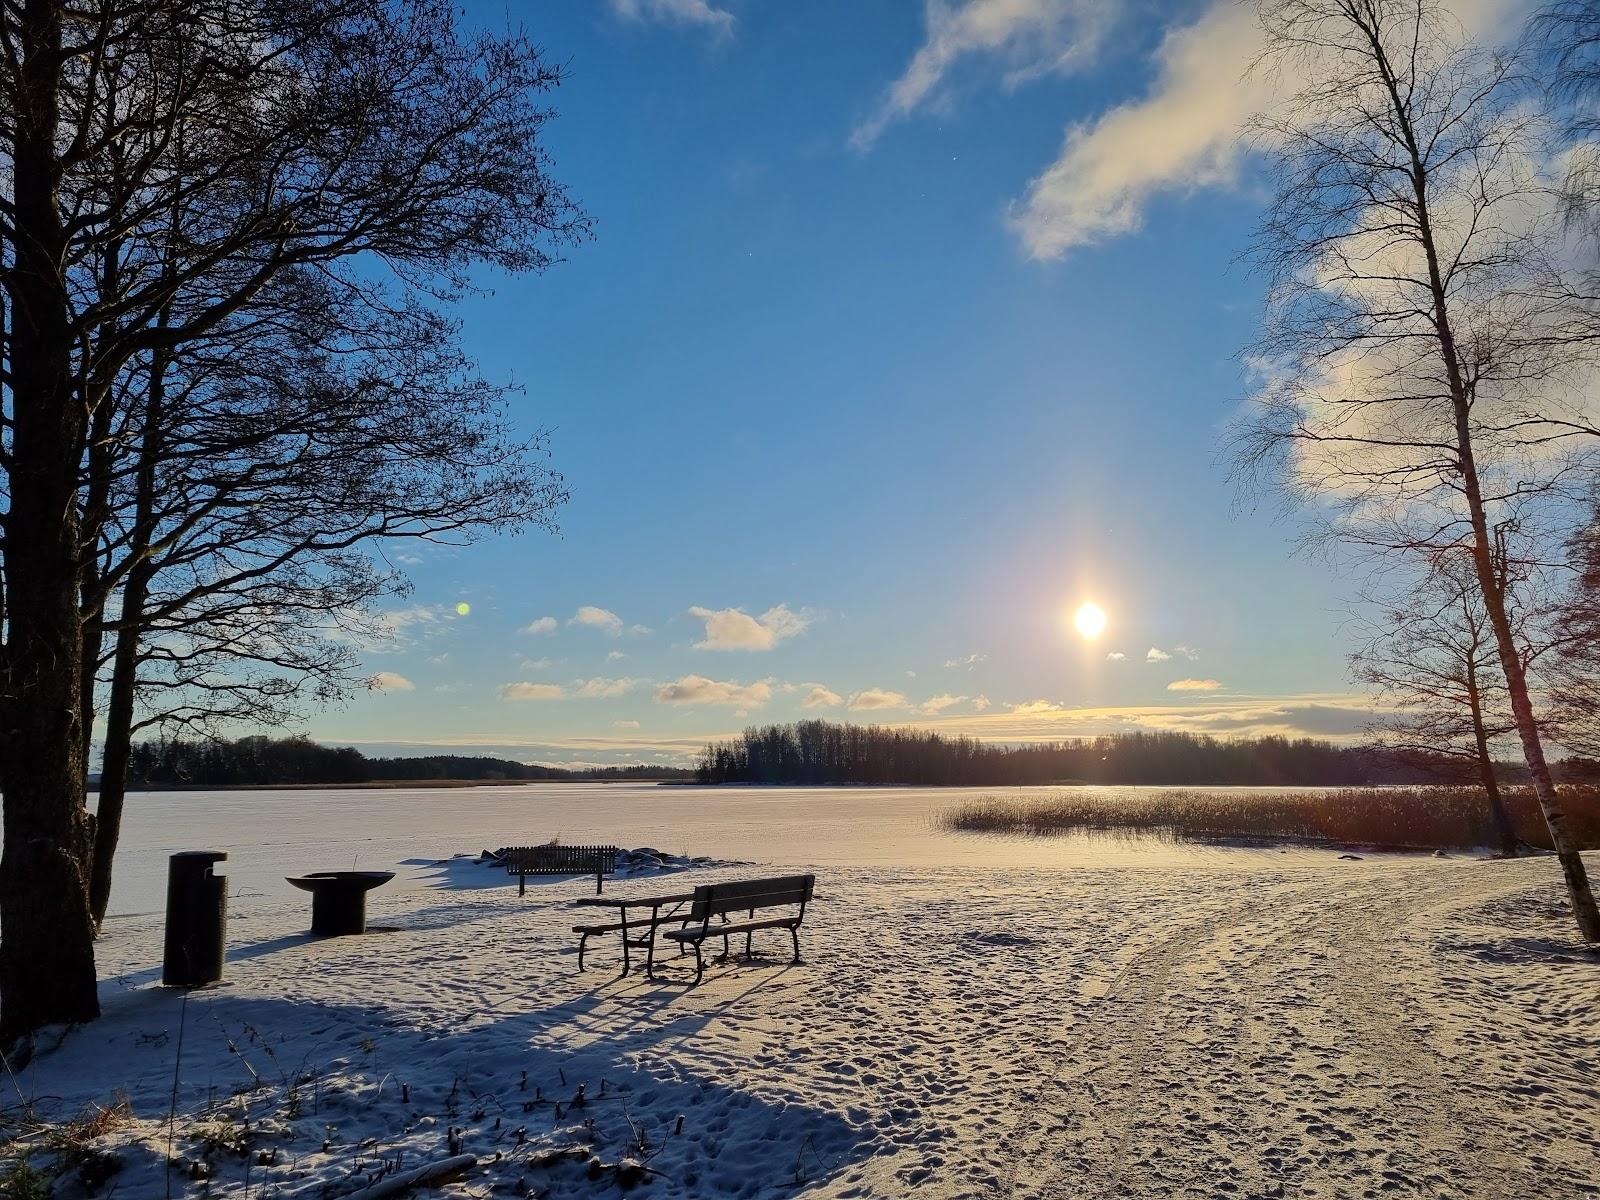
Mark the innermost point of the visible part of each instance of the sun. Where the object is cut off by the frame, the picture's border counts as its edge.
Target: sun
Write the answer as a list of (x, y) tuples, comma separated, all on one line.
[(1090, 620)]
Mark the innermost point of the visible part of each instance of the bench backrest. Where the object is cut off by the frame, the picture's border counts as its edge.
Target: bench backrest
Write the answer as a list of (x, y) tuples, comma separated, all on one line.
[(560, 860), (743, 895)]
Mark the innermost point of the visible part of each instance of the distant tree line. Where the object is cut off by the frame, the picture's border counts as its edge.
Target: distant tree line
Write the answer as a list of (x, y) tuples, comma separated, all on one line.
[(819, 752), (268, 762)]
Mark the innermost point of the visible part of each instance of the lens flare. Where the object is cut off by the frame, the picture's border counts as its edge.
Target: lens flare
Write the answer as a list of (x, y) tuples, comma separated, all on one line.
[(1090, 620), (463, 608)]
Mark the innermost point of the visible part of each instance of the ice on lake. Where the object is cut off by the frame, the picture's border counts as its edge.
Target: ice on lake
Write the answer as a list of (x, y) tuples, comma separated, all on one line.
[(269, 834)]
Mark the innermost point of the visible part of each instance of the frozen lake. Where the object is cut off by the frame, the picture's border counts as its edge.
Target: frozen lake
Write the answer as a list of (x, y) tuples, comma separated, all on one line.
[(269, 834)]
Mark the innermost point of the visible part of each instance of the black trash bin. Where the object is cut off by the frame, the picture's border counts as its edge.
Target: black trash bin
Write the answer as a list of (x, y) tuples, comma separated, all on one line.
[(197, 919)]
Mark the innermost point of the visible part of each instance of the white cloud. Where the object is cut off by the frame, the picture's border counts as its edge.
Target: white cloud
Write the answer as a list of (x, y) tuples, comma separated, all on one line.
[(606, 688), (1343, 717), (1184, 133), (541, 625), (388, 681), (591, 616), (968, 662), (1029, 38), (677, 12), (537, 664), (735, 629), (1035, 708), (615, 655), (1156, 654), (1193, 685), (1116, 656), (980, 703), (697, 689), (1188, 652), (392, 631), (625, 724), (821, 697), (937, 704), (877, 698), (531, 691)]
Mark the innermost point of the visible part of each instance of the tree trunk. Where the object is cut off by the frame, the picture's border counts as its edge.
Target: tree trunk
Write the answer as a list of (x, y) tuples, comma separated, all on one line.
[(1568, 855), (47, 972), (119, 742), (1584, 910), (125, 660), (1491, 786)]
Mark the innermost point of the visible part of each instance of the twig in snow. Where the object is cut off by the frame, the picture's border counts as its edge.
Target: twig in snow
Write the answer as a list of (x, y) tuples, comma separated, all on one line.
[(172, 1109)]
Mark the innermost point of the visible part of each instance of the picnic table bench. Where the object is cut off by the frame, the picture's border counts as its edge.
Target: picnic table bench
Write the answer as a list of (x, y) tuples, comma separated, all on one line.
[(707, 916), (552, 859), (628, 926)]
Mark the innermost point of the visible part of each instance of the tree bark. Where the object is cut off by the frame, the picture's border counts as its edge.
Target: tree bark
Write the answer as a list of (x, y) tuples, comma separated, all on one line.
[(118, 743), (47, 972), (125, 659), (1491, 786), (1579, 892), (1584, 910)]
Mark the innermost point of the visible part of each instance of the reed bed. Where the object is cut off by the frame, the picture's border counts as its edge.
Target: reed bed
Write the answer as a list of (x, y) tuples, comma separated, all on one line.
[(1400, 818)]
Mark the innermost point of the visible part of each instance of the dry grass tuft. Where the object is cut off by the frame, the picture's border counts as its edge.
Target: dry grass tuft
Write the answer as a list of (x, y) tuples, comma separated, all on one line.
[(1400, 818)]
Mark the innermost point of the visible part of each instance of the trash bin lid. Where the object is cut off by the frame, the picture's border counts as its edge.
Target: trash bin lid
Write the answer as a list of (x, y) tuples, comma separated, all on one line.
[(199, 856)]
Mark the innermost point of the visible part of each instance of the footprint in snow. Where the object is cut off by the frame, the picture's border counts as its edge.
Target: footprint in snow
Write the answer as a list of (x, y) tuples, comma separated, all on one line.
[(1002, 939)]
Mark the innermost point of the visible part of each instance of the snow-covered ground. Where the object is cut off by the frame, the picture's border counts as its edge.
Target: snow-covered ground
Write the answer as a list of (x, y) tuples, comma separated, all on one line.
[(973, 1017)]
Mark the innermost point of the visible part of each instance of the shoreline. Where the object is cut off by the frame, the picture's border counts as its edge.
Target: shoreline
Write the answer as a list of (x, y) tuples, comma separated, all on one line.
[(373, 785)]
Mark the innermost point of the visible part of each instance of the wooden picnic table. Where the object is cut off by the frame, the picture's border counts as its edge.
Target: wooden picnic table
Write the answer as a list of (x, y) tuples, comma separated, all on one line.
[(626, 925)]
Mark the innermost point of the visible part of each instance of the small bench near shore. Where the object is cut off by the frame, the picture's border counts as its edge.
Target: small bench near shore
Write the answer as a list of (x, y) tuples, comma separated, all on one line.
[(553, 859)]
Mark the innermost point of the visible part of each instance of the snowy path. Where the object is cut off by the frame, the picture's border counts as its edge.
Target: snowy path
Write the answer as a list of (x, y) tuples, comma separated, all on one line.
[(1245, 1024), (1302, 1039)]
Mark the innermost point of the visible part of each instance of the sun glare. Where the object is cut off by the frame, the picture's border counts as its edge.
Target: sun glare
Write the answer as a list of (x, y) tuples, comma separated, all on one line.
[(1090, 620)]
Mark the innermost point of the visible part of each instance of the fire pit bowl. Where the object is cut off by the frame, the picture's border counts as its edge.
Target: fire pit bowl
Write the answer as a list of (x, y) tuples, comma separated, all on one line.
[(339, 899)]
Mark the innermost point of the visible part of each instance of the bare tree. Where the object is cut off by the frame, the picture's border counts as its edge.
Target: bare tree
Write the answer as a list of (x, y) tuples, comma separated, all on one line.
[(265, 464), (369, 143), (1418, 380), (1432, 662)]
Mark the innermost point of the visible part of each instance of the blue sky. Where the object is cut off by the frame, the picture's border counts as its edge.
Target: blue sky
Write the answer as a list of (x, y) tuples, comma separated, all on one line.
[(905, 330)]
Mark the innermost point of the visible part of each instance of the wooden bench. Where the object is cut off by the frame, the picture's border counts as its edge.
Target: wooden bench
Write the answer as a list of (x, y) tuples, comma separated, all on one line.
[(552, 859), (712, 902)]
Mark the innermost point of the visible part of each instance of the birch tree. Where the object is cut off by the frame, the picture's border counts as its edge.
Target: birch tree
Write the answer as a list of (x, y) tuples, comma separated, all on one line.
[(1433, 666), (1418, 385)]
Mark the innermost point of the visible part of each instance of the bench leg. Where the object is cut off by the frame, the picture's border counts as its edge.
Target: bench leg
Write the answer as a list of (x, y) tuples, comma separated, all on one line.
[(748, 952), (794, 932), (522, 885), (699, 965), (599, 883), (583, 940)]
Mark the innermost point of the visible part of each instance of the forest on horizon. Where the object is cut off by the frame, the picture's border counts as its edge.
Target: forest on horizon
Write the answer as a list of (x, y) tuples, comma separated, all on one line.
[(821, 752)]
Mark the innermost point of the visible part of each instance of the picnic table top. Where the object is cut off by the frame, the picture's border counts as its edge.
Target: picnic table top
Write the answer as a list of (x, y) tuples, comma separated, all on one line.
[(632, 901)]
